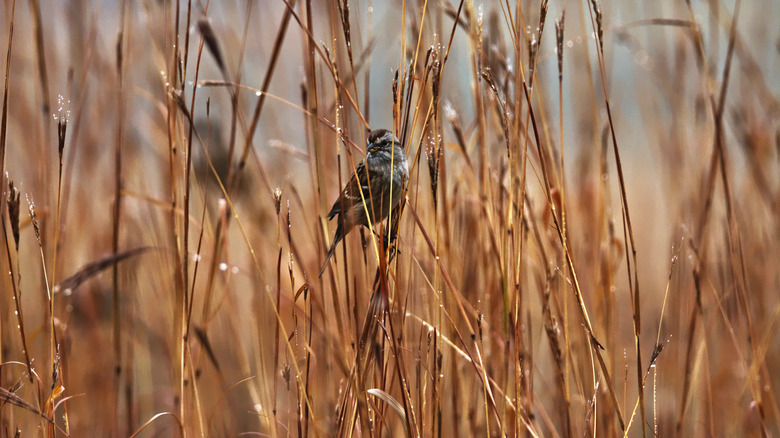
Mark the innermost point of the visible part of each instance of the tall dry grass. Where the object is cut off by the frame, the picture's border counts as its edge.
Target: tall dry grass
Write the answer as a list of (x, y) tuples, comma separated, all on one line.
[(589, 244)]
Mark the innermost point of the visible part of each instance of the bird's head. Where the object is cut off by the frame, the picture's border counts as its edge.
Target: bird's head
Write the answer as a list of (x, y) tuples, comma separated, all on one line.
[(381, 141)]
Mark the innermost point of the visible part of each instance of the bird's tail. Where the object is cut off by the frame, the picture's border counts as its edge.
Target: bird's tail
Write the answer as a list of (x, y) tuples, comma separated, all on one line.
[(332, 249)]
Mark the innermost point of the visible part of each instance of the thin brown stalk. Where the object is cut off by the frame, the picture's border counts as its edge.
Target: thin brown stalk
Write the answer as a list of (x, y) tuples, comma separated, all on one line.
[(629, 245), (116, 214)]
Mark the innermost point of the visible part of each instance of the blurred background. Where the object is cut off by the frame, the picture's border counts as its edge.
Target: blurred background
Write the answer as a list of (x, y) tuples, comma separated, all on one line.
[(589, 243)]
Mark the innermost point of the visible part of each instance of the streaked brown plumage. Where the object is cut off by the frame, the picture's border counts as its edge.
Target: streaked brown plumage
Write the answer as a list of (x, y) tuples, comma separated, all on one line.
[(384, 166)]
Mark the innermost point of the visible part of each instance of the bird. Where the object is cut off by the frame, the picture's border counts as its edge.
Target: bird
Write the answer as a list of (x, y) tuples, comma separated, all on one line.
[(384, 170)]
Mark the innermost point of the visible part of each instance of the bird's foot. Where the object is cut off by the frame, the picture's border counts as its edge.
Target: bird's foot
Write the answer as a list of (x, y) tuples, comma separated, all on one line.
[(389, 244)]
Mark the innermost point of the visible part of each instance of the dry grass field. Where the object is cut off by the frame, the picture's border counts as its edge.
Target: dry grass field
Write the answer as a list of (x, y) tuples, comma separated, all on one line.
[(589, 242)]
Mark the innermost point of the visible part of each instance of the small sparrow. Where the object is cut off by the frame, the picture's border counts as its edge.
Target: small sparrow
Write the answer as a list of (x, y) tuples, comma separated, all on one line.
[(384, 166)]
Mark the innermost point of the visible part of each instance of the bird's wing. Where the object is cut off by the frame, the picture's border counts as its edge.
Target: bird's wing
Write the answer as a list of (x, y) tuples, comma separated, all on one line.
[(351, 193)]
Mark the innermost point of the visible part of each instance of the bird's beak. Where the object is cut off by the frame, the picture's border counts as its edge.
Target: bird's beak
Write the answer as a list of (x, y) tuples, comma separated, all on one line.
[(371, 148)]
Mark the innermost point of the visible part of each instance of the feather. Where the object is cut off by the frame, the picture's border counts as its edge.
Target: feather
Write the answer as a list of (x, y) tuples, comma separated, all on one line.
[(384, 167)]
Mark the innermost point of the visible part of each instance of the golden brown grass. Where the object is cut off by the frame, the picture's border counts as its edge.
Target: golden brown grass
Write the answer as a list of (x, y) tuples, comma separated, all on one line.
[(589, 244)]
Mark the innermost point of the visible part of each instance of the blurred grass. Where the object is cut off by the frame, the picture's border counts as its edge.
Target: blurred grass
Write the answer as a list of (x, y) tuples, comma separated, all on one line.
[(592, 256)]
